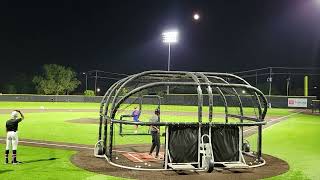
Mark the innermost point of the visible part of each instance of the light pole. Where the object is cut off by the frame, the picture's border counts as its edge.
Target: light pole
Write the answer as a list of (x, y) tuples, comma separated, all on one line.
[(95, 83), (170, 37), (288, 84), (269, 79), (86, 79)]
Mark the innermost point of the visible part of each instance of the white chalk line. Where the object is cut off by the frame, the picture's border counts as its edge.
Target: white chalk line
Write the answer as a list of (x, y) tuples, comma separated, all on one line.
[(277, 119), (135, 157), (52, 144)]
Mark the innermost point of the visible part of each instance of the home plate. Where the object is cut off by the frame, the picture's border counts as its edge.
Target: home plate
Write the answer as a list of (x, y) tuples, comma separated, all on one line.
[(142, 157)]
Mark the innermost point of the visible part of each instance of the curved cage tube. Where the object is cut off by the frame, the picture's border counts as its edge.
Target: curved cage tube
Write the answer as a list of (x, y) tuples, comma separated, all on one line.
[(227, 107)]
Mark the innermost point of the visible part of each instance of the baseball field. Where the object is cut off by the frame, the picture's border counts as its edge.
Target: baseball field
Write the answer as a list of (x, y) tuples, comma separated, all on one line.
[(52, 133)]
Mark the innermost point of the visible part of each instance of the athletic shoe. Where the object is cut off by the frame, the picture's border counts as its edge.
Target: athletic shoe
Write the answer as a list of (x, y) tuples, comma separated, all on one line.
[(17, 162), (157, 157)]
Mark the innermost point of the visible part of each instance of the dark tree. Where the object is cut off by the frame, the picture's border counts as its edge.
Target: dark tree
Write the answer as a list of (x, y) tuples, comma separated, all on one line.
[(56, 79)]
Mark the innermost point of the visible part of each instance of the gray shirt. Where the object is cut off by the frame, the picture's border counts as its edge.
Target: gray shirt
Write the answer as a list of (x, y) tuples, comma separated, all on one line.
[(154, 118)]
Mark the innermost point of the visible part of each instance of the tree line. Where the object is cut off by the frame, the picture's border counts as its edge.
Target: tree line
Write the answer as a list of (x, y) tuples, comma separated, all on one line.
[(53, 80)]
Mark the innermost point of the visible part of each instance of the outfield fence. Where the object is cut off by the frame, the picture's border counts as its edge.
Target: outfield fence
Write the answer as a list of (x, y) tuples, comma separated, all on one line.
[(171, 99)]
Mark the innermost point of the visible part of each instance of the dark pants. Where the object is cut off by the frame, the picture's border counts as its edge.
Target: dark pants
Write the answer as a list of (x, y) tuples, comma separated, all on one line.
[(155, 142)]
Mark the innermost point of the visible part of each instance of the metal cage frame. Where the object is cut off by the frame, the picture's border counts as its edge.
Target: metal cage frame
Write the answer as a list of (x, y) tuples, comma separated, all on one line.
[(201, 81)]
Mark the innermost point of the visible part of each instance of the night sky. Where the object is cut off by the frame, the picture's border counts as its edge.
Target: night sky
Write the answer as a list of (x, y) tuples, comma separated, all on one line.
[(125, 36)]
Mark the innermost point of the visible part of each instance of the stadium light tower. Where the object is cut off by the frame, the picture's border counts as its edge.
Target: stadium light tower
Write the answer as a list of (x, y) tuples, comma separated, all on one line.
[(170, 37)]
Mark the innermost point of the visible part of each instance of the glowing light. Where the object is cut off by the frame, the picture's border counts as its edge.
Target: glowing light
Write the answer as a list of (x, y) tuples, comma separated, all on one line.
[(243, 91), (170, 36), (196, 16), (98, 89)]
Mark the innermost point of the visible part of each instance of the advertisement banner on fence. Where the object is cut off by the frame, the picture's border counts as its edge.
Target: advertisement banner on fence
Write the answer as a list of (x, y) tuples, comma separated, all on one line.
[(297, 102)]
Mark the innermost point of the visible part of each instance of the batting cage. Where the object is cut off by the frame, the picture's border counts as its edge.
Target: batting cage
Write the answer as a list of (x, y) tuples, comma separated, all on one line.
[(149, 121)]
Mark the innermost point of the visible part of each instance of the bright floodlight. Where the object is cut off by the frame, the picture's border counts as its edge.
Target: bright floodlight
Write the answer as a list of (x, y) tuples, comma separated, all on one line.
[(196, 16), (170, 36), (98, 89)]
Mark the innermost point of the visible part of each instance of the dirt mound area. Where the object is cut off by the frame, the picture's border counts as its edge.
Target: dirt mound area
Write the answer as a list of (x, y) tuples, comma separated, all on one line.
[(86, 160)]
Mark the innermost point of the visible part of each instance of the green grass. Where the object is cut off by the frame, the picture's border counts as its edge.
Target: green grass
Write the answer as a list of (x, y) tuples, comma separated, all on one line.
[(48, 105), (37, 165), (53, 127), (294, 140), (176, 108)]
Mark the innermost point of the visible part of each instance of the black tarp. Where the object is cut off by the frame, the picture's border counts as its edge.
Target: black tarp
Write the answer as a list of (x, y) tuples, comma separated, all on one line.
[(183, 143), (225, 143)]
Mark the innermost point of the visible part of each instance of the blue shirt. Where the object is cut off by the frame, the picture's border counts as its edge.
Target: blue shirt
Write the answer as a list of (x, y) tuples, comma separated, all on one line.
[(136, 114)]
